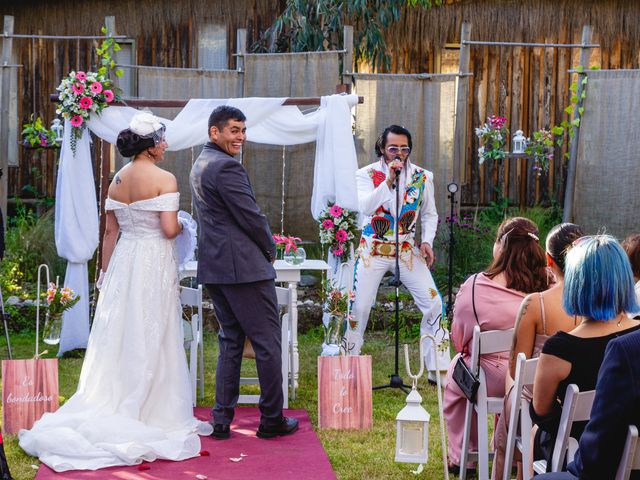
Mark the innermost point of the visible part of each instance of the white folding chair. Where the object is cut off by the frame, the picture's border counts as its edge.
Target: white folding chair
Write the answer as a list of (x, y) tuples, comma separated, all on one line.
[(576, 408), (284, 300), (192, 297), (483, 343), (630, 459), (525, 373)]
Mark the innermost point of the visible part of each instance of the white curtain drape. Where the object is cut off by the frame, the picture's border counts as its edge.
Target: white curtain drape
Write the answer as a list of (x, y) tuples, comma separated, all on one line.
[(268, 121)]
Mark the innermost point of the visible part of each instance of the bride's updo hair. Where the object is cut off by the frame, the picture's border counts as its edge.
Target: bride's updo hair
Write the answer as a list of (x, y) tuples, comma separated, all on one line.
[(145, 131)]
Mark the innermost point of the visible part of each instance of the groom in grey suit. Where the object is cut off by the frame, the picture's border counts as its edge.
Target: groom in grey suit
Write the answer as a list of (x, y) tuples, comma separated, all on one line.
[(235, 256)]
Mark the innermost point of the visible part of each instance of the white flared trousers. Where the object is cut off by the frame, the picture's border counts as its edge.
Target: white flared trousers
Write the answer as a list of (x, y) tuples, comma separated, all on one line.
[(419, 282)]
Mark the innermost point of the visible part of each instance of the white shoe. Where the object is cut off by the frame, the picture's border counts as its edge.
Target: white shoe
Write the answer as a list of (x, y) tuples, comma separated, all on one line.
[(431, 377)]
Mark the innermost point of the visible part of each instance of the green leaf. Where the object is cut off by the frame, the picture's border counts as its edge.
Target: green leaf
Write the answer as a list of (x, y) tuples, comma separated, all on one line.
[(574, 99), (583, 95), (557, 130), (104, 30), (119, 73), (580, 110), (585, 80), (569, 110), (116, 48), (580, 69), (573, 87), (595, 67), (576, 122), (102, 71)]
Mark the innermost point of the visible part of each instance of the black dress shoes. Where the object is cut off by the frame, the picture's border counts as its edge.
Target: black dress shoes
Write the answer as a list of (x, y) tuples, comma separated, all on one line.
[(221, 432), (286, 427)]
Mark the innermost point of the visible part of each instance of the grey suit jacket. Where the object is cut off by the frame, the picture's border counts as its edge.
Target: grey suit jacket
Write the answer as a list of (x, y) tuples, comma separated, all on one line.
[(235, 243)]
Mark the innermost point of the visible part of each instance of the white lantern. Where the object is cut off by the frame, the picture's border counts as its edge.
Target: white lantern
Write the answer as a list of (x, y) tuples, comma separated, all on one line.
[(412, 435), (57, 128), (519, 142)]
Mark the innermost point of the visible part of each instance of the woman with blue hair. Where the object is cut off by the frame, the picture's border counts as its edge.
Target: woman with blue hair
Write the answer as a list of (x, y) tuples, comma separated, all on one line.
[(598, 288)]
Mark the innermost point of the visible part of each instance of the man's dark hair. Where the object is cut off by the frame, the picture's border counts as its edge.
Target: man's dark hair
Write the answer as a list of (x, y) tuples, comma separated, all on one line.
[(222, 114), (381, 143)]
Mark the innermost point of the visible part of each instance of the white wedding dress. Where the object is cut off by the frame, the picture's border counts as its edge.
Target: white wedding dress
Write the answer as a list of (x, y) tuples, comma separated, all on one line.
[(133, 401)]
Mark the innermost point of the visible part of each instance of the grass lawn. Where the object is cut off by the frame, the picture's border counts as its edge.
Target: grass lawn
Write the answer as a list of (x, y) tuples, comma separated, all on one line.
[(353, 454)]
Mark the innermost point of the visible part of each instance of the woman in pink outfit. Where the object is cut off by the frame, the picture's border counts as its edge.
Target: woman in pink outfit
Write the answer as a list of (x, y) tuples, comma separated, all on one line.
[(518, 268)]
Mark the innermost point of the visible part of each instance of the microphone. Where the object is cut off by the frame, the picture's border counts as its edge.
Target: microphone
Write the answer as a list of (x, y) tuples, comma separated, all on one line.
[(397, 170)]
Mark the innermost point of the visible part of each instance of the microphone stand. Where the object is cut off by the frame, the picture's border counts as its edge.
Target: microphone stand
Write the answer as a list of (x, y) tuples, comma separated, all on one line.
[(452, 242), (395, 379)]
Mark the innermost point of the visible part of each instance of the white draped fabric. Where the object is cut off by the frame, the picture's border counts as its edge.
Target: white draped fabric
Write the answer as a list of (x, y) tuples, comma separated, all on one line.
[(268, 121)]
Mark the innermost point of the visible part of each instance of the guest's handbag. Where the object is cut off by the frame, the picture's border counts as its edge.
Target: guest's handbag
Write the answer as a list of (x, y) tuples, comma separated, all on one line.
[(464, 377)]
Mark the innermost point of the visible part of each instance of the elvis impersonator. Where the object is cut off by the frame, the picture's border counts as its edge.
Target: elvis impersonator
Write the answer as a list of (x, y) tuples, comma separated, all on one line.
[(377, 250)]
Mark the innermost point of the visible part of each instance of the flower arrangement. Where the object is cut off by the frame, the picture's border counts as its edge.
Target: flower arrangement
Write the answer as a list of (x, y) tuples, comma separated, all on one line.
[(83, 93), (540, 146), (60, 299), (36, 135), (336, 302), (285, 243), (338, 227), (493, 137), (80, 95)]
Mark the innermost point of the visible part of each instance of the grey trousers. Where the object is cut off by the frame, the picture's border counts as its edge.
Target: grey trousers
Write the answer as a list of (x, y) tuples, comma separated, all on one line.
[(248, 310)]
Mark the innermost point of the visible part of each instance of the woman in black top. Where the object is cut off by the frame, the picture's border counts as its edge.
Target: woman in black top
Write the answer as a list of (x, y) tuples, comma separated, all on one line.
[(598, 288)]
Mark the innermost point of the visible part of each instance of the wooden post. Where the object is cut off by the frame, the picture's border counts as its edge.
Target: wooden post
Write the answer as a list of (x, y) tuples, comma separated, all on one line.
[(7, 47), (104, 163), (585, 54), (347, 58), (460, 132), (241, 48)]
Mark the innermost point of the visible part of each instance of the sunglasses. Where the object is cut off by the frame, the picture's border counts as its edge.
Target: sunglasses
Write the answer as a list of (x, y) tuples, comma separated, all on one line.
[(396, 150)]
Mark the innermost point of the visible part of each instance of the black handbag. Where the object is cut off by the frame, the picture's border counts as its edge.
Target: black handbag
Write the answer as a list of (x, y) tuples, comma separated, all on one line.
[(466, 380)]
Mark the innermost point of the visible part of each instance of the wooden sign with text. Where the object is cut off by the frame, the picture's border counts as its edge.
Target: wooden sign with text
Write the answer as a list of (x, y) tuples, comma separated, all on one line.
[(29, 389), (344, 392)]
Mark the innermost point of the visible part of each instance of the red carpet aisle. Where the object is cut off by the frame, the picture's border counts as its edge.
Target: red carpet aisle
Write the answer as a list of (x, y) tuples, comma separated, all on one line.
[(299, 456)]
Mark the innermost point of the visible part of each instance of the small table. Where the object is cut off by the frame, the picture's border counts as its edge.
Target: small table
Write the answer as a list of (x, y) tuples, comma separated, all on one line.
[(284, 273)]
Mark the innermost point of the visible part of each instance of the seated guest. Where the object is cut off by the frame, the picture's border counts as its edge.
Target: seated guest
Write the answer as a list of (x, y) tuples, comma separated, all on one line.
[(540, 315), (518, 268), (599, 288), (631, 245), (615, 407)]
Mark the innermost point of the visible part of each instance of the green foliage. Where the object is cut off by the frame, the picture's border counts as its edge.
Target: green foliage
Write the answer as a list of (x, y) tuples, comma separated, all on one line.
[(105, 52), (29, 242), (36, 135), (540, 146), (307, 25)]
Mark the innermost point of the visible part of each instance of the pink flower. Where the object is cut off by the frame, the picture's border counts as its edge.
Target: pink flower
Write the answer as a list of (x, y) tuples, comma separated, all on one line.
[(96, 87), (77, 88), (290, 243), (327, 224), (341, 235), (81, 76), (335, 211), (76, 121), (86, 102), (339, 250), (278, 238), (108, 95)]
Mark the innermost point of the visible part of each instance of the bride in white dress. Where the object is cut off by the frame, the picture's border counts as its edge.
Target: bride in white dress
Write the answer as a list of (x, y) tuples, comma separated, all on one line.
[(133, 401)]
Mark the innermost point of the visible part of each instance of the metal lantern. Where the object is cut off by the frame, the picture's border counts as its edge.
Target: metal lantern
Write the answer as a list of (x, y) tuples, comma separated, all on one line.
[(519, 142), (412, 435), (57, 128), (412, 422)]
